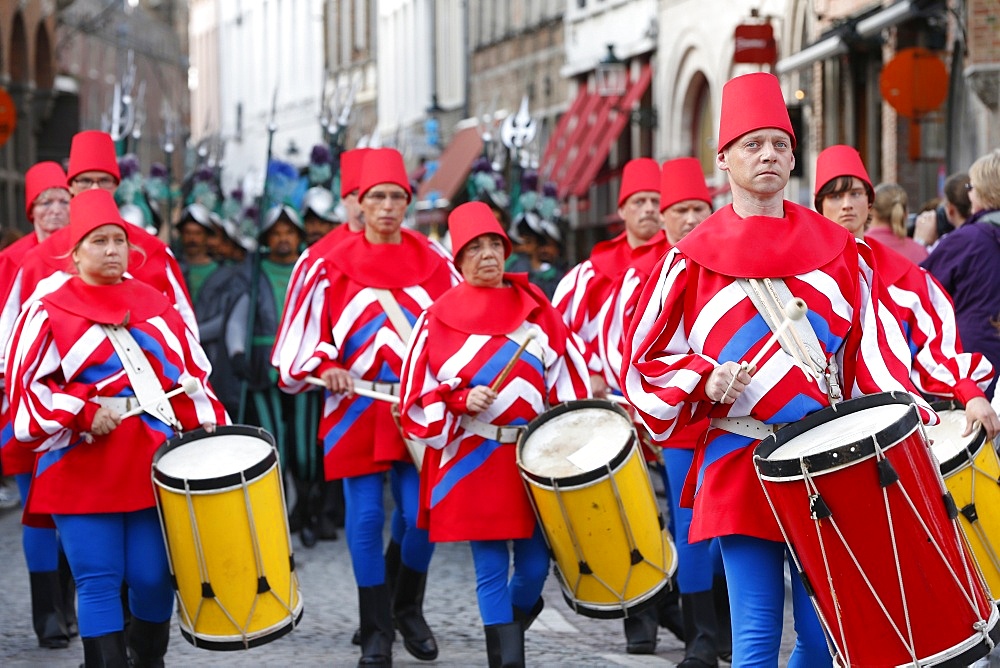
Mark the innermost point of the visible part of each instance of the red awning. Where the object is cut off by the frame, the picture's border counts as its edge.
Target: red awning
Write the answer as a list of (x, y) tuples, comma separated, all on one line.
[(580, 144), (453, 167)]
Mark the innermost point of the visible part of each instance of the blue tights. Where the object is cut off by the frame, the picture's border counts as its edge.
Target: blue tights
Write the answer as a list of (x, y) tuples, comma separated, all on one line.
[(496, 595), (365, 519), (756, 576), (103, 550), (41, 546)]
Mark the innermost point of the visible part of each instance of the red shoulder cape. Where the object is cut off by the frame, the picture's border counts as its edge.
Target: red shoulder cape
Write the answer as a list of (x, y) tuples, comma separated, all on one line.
[(611, 258), (889, 264), (410, 262)]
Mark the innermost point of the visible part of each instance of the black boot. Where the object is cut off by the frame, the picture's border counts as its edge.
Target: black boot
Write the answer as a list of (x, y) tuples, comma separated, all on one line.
[(408, 614), (528, 618), (46, 610), (107, 651), (640, 631), (701, 630), (392, 561), (505, 645), (376, 626), (67, 587), (724, 621), (147, 642), (670, 611)]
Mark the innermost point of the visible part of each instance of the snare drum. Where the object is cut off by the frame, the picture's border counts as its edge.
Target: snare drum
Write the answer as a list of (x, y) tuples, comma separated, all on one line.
[(591, 491), (224, 522), (872, 529), (971, 472)]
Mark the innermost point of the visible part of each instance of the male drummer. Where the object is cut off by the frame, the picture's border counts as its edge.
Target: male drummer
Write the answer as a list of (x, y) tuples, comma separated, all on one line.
[(695, 323)]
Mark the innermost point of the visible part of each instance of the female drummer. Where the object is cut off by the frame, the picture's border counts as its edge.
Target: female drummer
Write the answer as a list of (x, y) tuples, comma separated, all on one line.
[(941, 368), (79, 359), (471, 489)]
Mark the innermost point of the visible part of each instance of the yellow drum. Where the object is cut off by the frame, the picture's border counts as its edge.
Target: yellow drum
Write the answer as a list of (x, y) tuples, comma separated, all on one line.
[(224, 522), (591, 491), (971, 472)]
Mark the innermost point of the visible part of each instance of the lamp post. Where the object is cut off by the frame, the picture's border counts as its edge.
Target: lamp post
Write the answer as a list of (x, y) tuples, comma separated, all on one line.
[(517, 131), (611, 75)]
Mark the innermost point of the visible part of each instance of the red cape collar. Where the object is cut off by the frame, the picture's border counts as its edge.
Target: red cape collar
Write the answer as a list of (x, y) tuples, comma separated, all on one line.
[(489, 311), (763, 246), (889, 265), (611, 258), (410, 262), (127, 302)]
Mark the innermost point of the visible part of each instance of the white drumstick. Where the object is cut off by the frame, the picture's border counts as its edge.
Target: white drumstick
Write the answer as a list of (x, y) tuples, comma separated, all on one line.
[(189, 386), (795, 309), (371, 394)]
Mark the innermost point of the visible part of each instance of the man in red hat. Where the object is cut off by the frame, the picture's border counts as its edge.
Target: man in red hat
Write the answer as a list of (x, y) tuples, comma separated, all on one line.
[(353, 335), (695, 325)]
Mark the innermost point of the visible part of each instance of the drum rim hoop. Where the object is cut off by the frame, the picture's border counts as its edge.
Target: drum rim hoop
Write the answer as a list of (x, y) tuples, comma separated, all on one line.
[(844, 454), (587, 476), (218, 483), (967, 453), (261, 637)]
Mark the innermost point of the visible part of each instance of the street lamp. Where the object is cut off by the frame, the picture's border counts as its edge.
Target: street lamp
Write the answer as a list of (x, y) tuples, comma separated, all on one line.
[(611, 75)]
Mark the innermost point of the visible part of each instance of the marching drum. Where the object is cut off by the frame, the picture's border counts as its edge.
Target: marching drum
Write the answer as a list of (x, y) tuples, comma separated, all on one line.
[(226, 530), (591, 492), (971, 473), (873, 532)]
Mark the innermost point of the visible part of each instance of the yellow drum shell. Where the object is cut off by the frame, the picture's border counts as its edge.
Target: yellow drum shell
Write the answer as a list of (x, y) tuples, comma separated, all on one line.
[(612, 551), (223, 515), (971, 471)]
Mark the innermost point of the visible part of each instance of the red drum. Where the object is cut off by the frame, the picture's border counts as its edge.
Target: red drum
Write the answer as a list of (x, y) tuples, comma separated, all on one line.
[(872, 528)]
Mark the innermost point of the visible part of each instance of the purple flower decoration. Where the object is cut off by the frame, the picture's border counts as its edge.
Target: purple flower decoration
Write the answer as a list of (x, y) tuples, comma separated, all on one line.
[(320, 155), (550, 189), (157, 171), (128, 165), (529, 180), (204, 173)]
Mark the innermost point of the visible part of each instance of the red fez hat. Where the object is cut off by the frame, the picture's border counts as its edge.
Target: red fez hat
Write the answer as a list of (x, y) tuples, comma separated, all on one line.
[(752, 102), (471, 220), (38, 179), (383, 165), (92, 151), (839, 160), (639, 175), (683, 180), (350, 169), (91, 209)]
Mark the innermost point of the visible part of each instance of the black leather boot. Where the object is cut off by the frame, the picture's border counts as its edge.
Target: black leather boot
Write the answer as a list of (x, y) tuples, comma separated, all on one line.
[(640, 631), (701, 630), (67, 587), (505, 645), (374, 607), (528, 618), (670, 611), (392, 561), (46, 610), (408, 614), (147, 642), (107, 651)]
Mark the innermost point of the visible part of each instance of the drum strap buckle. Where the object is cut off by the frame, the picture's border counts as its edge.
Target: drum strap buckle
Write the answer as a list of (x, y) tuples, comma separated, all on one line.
[(377, 386), (493, 432)]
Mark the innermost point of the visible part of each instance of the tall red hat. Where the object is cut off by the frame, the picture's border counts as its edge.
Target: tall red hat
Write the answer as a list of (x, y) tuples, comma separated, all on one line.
[(752, 102), (383, 165), (350, 169), (839, 160), (91, 209), (38, 179), (92, 151), (470, 220), (682, 179), (639, 175)]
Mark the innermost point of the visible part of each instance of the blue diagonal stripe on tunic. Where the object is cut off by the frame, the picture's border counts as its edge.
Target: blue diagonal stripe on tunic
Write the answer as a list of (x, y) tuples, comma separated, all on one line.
[(360, 338), (7, 434), (351, 415), (95, 373), (492, 367), (462, 468), (152, 348), (50, 457), (745, 337)]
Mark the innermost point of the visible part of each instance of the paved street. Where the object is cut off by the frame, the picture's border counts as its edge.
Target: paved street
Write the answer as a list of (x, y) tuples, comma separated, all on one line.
[(558, 638)]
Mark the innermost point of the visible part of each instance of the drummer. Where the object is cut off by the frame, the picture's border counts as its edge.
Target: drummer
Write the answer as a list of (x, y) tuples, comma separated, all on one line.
[(79, 358), (471, 487), (352, 333), (941, 368), (695, 323)]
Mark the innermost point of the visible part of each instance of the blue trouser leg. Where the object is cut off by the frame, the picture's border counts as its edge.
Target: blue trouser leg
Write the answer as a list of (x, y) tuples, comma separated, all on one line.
[(41, 546), (363, 522), (416, 548), (697, 563), (756, 577), (497, 597), (531, 567)]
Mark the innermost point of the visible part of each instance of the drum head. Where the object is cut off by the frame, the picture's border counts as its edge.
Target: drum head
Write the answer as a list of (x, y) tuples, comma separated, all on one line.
[(947, 442), (575, 438), (200, 460)]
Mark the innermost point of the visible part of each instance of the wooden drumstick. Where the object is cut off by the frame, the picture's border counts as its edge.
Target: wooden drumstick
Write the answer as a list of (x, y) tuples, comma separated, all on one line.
[(189, 386), (371, 394), (795, 309), (510, 365)]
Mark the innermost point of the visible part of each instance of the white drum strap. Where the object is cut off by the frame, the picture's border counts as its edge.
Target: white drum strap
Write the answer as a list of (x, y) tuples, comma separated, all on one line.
[(522, 333), (140, 374), (799, 341), (395, 313)]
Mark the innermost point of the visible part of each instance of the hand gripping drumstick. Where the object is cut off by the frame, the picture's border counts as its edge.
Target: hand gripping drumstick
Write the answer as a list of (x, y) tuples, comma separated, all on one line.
[(189, 386), (795, 309), (510, 365), (371, 394)]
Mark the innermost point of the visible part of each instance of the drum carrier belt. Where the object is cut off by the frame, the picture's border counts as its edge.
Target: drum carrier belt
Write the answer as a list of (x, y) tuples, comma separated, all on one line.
[(141, 377), (500, 434)]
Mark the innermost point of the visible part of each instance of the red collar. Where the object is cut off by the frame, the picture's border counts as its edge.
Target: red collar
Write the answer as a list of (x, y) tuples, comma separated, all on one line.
[(611, 258), (410, 262), (130, 301)]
